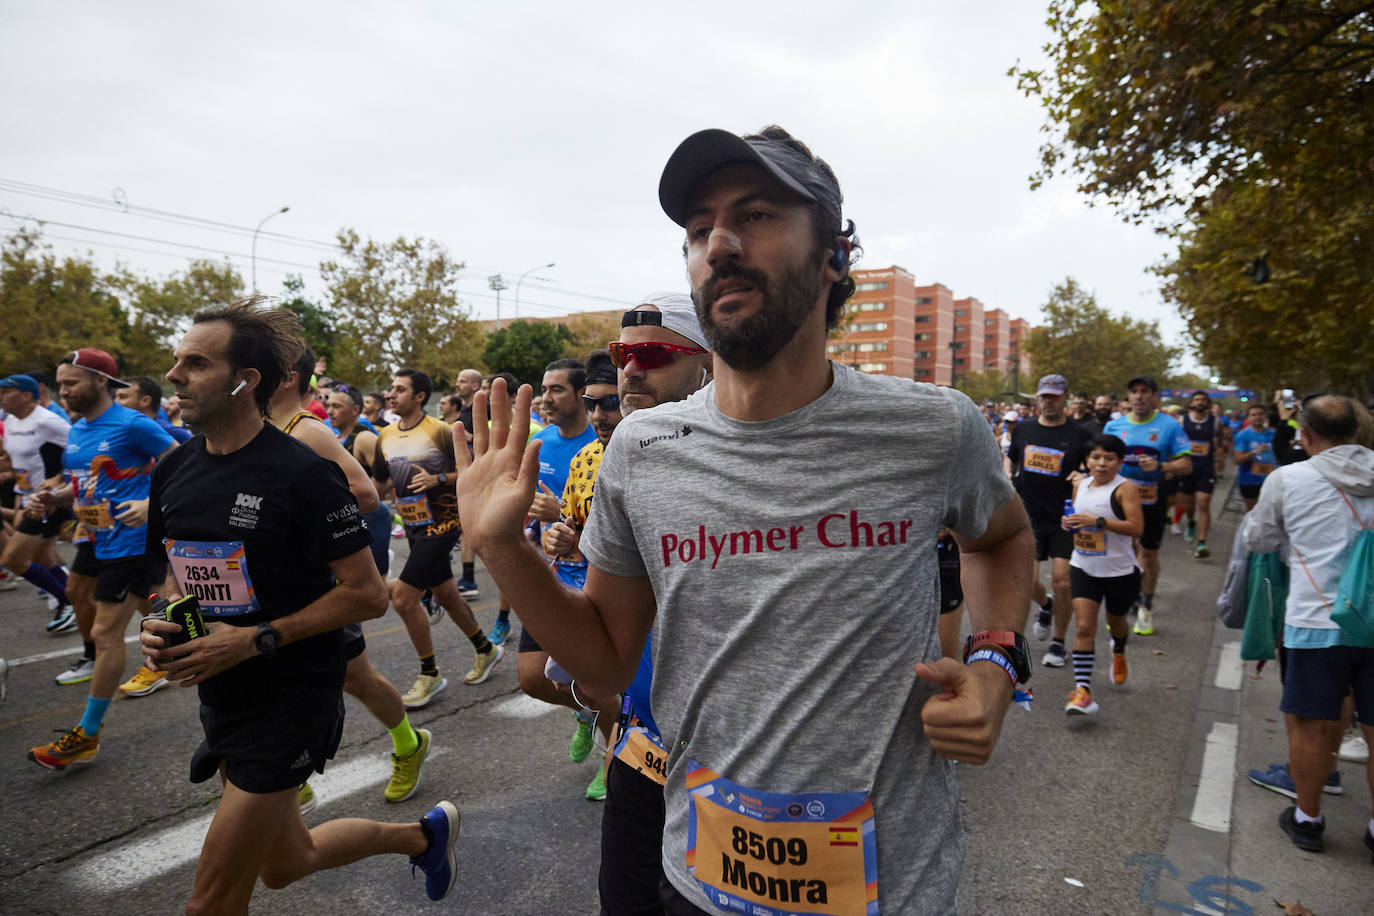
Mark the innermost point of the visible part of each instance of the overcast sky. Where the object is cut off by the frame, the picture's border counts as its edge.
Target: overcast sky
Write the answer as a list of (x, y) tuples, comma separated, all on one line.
[(520, 133)]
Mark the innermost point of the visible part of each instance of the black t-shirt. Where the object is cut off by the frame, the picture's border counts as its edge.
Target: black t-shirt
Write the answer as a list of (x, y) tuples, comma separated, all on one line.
[(1042, 458), (251, 535)]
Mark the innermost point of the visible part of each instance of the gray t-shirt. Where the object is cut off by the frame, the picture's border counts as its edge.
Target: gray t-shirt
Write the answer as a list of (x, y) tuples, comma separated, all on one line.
[(793, 562)]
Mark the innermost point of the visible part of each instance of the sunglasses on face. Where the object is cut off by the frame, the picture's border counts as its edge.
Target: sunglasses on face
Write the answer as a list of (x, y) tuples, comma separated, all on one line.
[(650, 354), (607, 402)]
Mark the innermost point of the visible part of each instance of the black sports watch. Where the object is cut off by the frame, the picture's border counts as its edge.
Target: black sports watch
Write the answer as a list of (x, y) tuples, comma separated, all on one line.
[(1010, 643), (267, 639), (1101, 523)]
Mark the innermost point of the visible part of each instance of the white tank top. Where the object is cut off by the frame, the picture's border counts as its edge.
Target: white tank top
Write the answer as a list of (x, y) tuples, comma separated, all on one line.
[(1100, 553)]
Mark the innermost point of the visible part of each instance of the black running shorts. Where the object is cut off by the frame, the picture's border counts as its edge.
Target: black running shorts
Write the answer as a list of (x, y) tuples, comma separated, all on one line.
[(49, 527), (1250, 490), (527, 643), (631, 843), (1156, 517), (428, 565), (124, 576), (1120, 592), (85, 563), (1051, 540), (354, 643), (1202, 480), (267, 750)]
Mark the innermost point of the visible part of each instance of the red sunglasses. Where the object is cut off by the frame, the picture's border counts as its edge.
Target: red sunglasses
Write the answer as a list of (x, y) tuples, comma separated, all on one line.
[(650, 354)]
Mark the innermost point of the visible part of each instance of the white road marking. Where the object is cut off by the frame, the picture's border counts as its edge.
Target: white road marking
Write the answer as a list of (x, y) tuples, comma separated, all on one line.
[(1212, 804), (521, 706), (157, 853), (58, 653), (1230, 669)]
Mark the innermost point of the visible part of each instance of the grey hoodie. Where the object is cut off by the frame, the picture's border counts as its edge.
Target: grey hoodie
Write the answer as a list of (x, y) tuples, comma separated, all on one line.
[(1302, 513)]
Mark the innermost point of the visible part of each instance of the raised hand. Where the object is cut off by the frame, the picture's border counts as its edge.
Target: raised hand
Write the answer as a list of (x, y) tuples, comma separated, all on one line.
[(497, 484)]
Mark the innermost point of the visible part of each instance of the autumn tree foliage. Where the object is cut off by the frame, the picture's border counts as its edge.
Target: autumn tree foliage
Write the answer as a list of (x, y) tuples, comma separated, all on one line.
[(1246, 131)]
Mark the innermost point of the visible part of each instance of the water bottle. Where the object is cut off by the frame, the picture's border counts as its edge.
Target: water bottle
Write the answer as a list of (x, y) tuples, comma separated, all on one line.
[(1068, 508)]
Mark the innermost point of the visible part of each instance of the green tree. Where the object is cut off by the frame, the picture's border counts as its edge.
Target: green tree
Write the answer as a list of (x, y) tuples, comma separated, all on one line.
[(1308, 326), (586, 334), (988, 385), (397, 305), (1155, 103), (1243, 129), (50, 306), (524, 348), (320, 332), (159, 310), (1095, 350)]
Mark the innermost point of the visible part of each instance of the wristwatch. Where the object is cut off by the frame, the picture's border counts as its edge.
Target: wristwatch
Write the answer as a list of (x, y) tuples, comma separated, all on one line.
[(443, 477), (1101, 522), (1010, 643), (267, 639)]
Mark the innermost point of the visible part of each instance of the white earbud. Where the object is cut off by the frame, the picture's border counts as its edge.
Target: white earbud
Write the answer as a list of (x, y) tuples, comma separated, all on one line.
[(243, 383)]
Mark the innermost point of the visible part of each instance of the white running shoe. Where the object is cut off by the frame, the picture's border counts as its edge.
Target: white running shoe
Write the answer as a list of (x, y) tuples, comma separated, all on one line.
[(1354, 749)]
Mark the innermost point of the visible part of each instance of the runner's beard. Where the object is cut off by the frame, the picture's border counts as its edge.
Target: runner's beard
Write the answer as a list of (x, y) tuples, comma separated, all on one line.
[(749, 342)]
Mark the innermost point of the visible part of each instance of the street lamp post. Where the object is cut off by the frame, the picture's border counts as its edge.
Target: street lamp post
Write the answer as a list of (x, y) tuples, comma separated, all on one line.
[(522, 280), (255, 244), (496, 283)]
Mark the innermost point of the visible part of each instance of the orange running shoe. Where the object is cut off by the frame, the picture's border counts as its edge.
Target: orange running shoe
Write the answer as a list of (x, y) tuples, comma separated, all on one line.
[(1080, 702), (1119, 669), (74, 747)]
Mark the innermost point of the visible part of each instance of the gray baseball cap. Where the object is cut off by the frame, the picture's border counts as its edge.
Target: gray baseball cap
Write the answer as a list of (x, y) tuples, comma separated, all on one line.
[(707, 150)]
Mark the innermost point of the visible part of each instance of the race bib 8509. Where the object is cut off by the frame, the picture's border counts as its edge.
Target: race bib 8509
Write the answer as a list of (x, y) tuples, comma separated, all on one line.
[(773, 854), (216, 573)]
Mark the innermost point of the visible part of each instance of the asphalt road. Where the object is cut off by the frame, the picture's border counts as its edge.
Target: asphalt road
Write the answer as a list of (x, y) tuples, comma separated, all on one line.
[(1071, 815)]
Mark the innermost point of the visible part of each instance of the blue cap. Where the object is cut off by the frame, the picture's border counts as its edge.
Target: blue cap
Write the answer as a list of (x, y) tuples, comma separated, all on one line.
[(22, 382)]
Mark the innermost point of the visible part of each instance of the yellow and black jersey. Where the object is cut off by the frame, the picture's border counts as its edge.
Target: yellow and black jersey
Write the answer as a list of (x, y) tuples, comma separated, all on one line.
[(426, 446), (577, 493)]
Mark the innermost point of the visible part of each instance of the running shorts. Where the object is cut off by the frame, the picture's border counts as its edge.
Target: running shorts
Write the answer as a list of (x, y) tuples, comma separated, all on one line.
[(121, 577), (85, 563), (1156, 517), (1119, 592), (270, 749), (378, 523), (428, 565), (1250, 490), (1318, 680), (354, 643), (1051, 540), (1202, 480), (49, 527)]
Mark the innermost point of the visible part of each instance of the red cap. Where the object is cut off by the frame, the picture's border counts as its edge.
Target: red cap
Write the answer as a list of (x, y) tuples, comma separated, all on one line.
[(97, 361)]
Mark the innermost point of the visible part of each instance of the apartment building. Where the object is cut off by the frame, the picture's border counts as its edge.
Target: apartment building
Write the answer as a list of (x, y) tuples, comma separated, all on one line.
[(895, 327)]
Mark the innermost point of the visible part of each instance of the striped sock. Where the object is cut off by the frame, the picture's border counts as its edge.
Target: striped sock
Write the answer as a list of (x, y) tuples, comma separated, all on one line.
[(1083, 669)]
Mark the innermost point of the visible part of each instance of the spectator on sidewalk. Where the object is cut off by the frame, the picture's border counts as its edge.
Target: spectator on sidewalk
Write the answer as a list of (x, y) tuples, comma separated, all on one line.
[(1313, 511)]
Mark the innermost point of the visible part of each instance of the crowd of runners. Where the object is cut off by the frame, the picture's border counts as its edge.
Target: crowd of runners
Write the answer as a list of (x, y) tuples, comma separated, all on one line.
[(716, 556)]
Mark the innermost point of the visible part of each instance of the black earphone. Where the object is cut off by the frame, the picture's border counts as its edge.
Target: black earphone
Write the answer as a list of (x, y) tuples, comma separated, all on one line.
[(837, 260)]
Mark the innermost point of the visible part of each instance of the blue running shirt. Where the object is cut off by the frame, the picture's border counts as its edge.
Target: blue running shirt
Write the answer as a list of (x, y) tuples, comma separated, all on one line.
[(109, 461), (1159, 437), (1261, 442)]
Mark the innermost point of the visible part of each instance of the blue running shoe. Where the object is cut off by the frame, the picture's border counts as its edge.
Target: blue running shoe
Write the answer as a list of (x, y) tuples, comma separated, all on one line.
[(468, 589), (1276, 779), (499, 631), (438, 862)]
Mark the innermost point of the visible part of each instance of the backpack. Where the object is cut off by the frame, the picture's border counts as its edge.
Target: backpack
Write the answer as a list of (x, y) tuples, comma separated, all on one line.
[(1232, 601), (1353, 611)]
